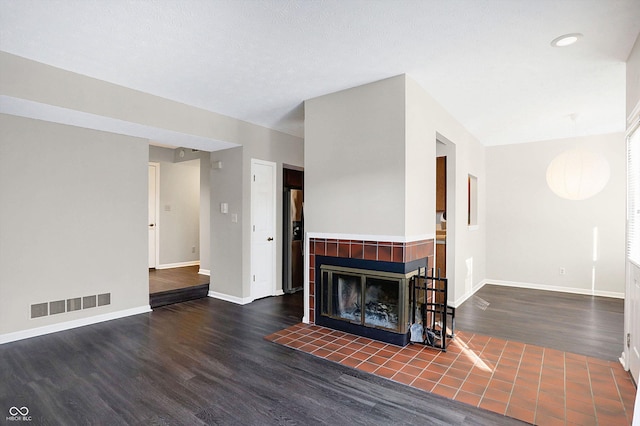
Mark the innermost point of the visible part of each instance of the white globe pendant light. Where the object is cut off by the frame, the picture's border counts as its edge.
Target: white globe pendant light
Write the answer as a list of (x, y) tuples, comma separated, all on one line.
[(578, 174)]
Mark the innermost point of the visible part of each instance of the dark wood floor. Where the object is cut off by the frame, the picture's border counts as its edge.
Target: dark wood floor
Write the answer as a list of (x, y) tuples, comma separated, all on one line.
[(586, 325), (206, 362), (161, 280)]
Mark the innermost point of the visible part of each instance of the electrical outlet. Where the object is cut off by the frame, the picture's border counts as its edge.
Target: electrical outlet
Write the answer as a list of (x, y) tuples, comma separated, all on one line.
[(563, 271), (193, 249)]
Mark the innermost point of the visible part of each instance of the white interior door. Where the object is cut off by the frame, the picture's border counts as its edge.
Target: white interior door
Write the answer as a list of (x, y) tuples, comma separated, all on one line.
[(263, 228), (153, 214)]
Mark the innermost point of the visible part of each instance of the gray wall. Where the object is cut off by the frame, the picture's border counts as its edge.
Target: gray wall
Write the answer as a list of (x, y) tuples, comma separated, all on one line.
[(205, 212), (24, 79), (281, 149), (72, 220), (226, 236), (231, 184), (34, 81)]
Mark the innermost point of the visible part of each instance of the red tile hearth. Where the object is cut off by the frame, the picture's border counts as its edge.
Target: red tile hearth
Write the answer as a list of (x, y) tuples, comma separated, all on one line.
[(530, 383)]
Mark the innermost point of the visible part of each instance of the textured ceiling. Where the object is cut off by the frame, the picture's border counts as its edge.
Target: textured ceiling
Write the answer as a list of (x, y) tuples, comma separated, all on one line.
[(489, 63)]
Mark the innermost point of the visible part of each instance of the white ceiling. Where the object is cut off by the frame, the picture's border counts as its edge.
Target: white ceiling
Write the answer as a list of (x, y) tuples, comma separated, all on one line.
[(488, 62)]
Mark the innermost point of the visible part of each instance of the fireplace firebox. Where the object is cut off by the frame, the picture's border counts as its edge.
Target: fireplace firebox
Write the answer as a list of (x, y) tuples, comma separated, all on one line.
[(369, 303)]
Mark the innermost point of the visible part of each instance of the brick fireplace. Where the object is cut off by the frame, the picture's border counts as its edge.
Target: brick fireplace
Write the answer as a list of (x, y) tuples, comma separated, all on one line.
[(395, 259), (370, 196)]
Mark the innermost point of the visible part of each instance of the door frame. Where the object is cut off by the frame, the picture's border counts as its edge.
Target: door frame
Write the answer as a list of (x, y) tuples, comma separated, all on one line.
[(449, 150), (273, 165), (632, 274), (157, 208)]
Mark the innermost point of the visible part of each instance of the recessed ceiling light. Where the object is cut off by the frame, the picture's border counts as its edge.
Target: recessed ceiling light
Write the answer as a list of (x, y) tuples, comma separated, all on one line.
[(565, 40)]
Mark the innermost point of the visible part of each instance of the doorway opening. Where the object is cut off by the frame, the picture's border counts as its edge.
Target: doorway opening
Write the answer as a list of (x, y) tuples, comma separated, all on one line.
[(174, 219), (441, 217), (632, 296), (292, 229), (445, 209), (263, 229), (153, 212)]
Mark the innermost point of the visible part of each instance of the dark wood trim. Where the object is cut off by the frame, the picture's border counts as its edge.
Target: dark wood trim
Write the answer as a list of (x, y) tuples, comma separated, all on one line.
[(178, 295)]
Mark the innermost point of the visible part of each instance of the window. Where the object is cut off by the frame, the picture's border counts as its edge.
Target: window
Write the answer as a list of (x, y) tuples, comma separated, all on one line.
[(472, 201)]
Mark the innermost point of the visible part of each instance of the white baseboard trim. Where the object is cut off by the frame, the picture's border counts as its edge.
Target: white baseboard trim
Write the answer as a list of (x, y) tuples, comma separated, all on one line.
[(588, 292), (623, 361), (235, 299), (178, 265), (204, 272), (460, 300), (67, 325), (229, 298)]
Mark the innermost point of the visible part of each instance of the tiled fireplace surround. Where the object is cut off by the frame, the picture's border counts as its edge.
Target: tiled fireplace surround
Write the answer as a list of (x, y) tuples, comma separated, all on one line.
[(381, 251)]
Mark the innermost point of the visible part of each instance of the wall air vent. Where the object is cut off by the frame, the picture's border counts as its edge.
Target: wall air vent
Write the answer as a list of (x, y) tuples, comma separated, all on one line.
[(54, 307), (74, 304), (104, 299), (39, 310), (89, 302), (57, 307)]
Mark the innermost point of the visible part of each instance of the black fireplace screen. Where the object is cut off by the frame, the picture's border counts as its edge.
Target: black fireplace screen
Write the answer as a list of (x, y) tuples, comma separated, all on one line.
[(367, 298)]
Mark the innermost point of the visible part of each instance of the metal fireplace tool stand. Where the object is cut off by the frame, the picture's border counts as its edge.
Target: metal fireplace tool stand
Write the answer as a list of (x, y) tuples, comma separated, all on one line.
[(436, 315)]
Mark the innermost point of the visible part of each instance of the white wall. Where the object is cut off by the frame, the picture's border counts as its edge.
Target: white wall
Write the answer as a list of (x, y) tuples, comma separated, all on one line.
[(532, 232), (633, 108), (179, 212), (466, 257), (73, 221), (179, 219), (391, 126), (633, 78), (420, 160), (169, 155), (355, 160)]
